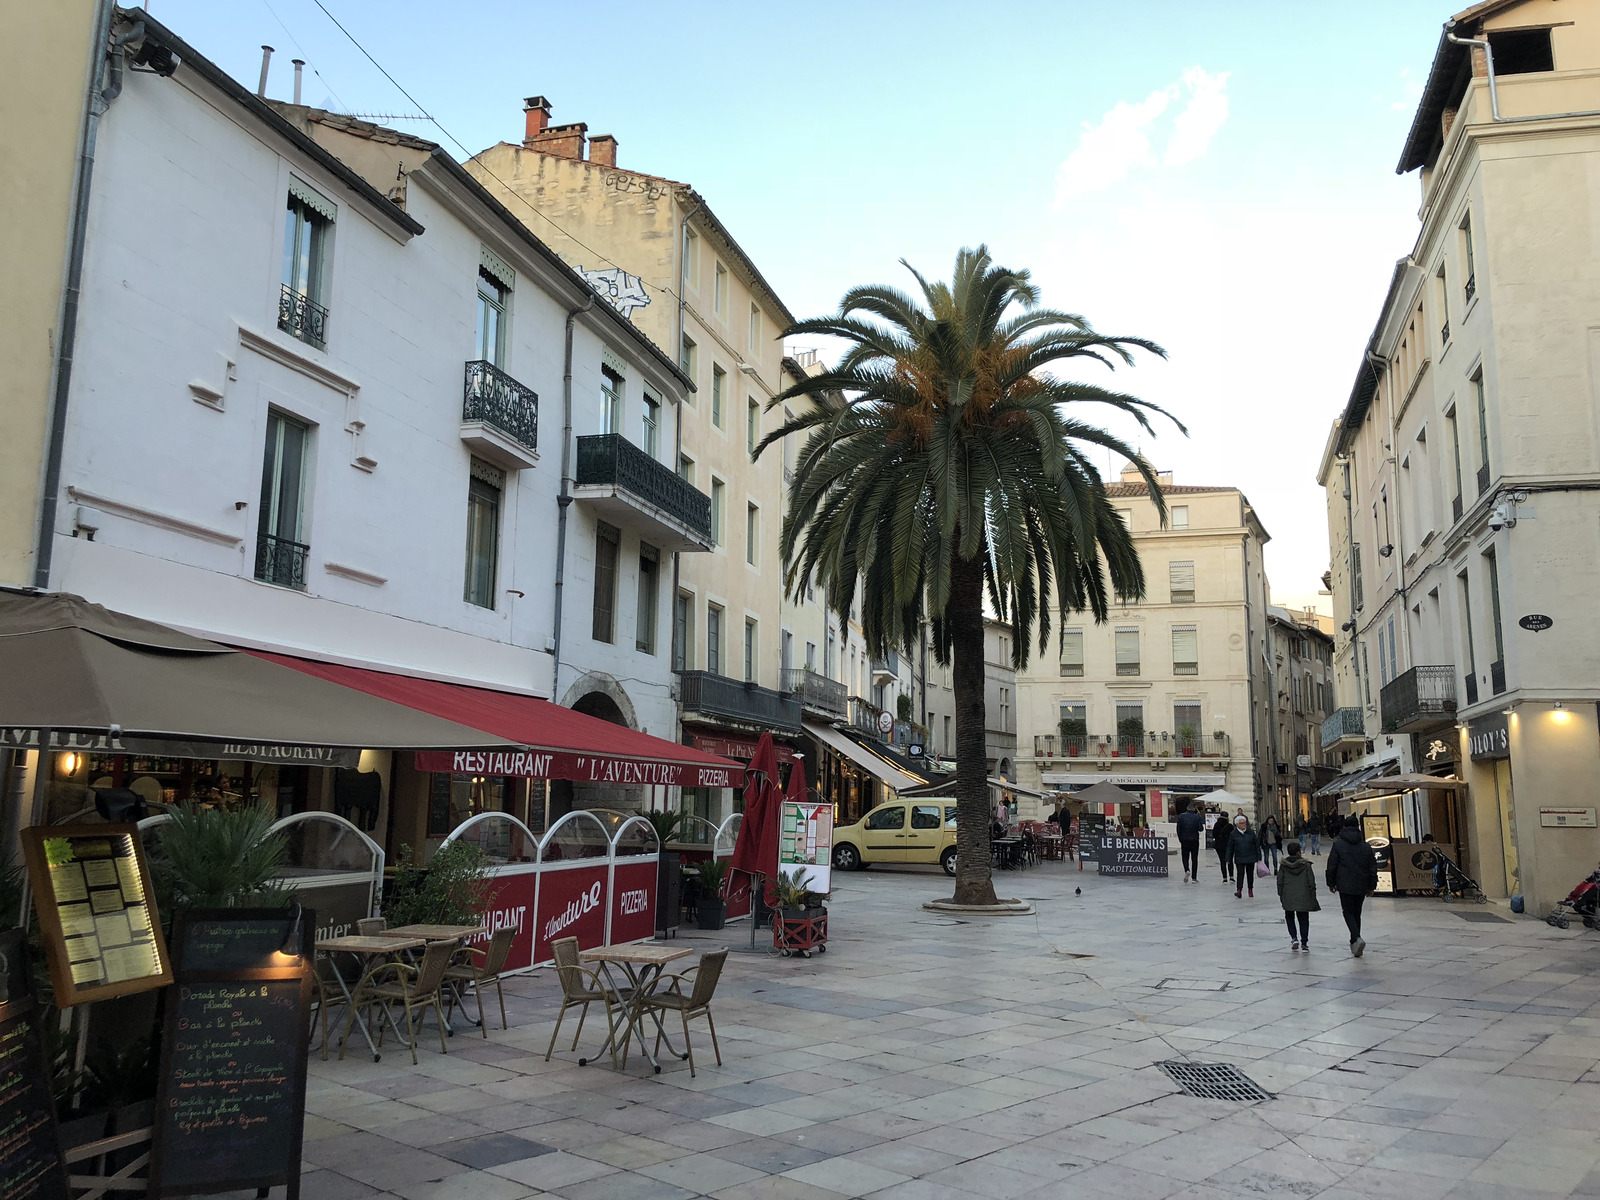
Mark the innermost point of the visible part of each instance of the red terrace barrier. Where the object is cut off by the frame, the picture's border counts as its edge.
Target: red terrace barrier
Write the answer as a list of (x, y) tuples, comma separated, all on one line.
[(572, 903), (633, 899), (511, 902)]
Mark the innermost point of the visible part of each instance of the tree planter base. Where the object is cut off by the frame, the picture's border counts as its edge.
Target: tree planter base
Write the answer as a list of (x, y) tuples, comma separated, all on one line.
[(1000, 908), (800, 931)]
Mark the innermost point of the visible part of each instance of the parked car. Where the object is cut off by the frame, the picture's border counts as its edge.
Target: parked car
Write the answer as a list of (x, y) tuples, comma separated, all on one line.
[(903, 831)]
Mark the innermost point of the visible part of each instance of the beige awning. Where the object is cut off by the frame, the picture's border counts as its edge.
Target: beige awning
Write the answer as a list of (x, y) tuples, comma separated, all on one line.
[(876, 765), (1406, 783)]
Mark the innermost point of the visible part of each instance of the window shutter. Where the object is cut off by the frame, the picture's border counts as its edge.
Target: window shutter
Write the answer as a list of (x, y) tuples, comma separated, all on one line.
[(312, 199), (1127, 652), (1185, 650), (1181, 576), (496, 268), (1072, 652)]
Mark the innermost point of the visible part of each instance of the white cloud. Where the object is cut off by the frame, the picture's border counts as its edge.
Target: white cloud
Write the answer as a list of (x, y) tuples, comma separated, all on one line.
[(1109, 150)]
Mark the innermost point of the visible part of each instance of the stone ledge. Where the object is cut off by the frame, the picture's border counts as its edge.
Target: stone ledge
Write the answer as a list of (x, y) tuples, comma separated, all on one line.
[(1002, 908)]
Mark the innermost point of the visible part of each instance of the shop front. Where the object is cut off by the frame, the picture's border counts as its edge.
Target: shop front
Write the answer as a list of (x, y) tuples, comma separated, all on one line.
[(1157, 796), (856, 776)]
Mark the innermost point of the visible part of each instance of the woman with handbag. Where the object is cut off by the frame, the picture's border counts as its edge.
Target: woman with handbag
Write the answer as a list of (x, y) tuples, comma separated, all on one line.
[(1244, 848)]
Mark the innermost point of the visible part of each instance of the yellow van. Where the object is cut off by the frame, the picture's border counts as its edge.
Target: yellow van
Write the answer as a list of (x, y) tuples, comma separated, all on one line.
[(903, 831)]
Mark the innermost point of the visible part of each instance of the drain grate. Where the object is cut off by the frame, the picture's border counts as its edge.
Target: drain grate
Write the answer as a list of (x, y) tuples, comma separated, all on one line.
[(1193, 985), (1483, 917), (1214, 1081)]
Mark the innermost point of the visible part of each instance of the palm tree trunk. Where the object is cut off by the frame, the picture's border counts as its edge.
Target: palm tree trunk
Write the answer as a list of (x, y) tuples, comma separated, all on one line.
[(964, 612)]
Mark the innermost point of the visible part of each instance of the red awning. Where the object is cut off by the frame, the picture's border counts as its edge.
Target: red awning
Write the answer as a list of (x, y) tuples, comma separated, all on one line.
[(563, 744)]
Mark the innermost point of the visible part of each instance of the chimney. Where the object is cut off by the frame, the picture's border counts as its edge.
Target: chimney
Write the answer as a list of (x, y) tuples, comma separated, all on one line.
[(536, 110), (603, 150), (266, 61), (561, 141), (299, 66)]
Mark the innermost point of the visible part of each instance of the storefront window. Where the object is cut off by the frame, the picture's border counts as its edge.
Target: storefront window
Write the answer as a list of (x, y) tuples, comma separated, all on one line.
[(454, 798)]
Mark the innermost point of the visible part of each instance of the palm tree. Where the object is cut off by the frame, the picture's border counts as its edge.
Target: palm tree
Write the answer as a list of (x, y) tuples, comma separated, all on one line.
[(945, 463)]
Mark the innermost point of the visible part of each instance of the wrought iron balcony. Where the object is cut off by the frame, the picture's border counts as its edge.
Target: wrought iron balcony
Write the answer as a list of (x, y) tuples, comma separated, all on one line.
[(1497, 676), (633, 488), (1420, 699), (1455, 510), (1444, 334), (865, 715), (490, 397), (280, 561), (1343, 723), (1483, 479), (1471, 286), (301, 317), (817, 693), (715, 695), (888, 667)]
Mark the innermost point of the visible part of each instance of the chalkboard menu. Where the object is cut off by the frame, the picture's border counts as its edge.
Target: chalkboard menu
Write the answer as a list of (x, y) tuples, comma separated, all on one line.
[(1142, 855), (91, 889), (230, 1098), (30, 1157)]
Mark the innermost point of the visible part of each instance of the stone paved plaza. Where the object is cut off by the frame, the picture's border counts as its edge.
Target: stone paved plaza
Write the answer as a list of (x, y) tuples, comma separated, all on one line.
[(923, 1058)]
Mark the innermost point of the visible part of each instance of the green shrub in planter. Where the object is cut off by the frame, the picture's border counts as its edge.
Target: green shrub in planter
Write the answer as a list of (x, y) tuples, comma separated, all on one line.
[(219, 858), (455, 888), (712, 909)]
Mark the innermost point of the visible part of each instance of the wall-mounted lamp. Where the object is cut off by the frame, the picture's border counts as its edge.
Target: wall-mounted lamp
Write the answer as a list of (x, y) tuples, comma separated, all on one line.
[(1506, 712), (1386, 551), (1558, 705), (67, 764)]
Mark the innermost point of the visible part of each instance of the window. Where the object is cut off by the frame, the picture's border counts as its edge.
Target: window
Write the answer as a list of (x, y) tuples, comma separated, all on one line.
[(1466, 621), (1521, 51), (610, 401), (1355, 573), (687, 361), (1180, 516), (891, 816), (714, 639), (1394, 643), (718, 511), (827, 661), (485, 485), (652, 425), (1469, 286), (302, 303), (927, 816), (1483, 434), (1185, 650), (1493, 561), (280, 554), (750, 650), (1186, 724), (811, 656), (1073, 726), (719, 381), (607, 548), (785, 652), (1072, 653), (1366, 672), (949, 745), (691, 257), (719, 291), (682, 632), (755, 327), (492, 295), (1443, 294), (1130, 727), (686, 468), (1181, 577), (1383, 661), (1127, 651), (752, 425), (649, 595)]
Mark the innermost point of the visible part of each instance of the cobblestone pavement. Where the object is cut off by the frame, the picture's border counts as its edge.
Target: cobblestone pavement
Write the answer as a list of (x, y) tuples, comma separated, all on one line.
[(925, 1058)]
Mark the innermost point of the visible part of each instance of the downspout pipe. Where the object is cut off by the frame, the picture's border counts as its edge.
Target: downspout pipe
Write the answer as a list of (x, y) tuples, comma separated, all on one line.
[(98, 100), (564, 499), (1494, 95)]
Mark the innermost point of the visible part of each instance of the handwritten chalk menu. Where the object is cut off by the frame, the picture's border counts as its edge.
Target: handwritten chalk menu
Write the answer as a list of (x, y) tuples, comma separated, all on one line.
[(1146, 856), (91, 889), (230, 1099), (30, 1157)]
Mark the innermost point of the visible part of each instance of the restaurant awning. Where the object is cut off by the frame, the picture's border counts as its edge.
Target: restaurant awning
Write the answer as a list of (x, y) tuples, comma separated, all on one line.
[(1407, 783), (874, 764), (1352, 781), (69, 666), (563, 744)]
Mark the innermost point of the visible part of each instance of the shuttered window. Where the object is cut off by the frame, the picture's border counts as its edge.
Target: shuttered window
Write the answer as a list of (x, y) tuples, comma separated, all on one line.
[(1072, 654), (1181, 575), (607, 547), (1185, 650), (1127, 652)]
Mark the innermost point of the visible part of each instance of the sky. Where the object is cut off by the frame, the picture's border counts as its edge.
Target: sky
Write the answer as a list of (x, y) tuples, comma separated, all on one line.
[(1216, 177)]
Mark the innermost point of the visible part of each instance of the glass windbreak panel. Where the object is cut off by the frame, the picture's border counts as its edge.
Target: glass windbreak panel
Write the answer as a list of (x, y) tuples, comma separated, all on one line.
[(500, 839), (577, 835), (728, 833), (636, 837), (694, 829), (321, 846)]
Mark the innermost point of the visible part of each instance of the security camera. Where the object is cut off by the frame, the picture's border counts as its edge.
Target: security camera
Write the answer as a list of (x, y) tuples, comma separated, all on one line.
[(1497, 520)]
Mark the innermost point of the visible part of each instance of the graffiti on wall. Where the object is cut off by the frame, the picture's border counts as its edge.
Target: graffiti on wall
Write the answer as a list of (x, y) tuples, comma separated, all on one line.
[(626, 292)]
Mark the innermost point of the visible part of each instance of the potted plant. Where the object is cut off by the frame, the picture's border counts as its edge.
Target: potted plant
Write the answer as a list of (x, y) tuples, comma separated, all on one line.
[(669, 870), (712, 909), (1074, 733), (1187, 737)]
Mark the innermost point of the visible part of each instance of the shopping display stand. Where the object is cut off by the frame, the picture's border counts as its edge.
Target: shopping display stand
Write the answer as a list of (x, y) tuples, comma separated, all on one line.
[(800, 935)]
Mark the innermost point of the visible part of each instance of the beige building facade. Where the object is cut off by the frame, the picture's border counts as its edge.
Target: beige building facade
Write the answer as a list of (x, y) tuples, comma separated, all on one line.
[(1463, 478), (1169, 698)]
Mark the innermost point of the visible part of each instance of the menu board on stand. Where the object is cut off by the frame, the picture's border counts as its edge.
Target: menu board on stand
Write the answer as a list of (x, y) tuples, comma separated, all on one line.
[(230, 1096), (31, 1167), (805, 840), (97, 915)]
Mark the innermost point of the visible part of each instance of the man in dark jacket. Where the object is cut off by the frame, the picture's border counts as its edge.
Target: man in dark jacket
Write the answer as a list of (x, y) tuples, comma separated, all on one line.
[(1191, 828), (1221, 835), (1352, 872)]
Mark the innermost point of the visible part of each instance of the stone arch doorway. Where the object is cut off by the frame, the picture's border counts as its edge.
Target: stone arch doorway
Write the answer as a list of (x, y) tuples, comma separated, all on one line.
[(600, 696)]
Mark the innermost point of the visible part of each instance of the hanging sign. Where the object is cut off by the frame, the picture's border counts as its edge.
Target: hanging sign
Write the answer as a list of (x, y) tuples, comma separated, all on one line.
[(97, 913), (1489, 736)]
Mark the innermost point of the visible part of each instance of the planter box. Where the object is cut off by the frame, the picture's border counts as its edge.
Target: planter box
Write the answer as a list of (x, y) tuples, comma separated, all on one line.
[(800, 931), (1073, 752), (711, 912)]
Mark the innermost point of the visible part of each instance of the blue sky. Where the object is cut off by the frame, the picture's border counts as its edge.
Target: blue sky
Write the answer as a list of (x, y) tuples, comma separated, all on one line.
[(1218, 177)]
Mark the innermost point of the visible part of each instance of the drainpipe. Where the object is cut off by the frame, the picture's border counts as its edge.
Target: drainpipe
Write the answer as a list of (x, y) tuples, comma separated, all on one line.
[(97, 101), (564, 500), (1250, 675), (1494, 95), (1350, 547)]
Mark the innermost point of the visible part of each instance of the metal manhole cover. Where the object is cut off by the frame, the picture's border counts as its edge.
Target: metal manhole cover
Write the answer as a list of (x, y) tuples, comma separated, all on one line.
[(1482, 916), (1193, 985), (1214, 1081)]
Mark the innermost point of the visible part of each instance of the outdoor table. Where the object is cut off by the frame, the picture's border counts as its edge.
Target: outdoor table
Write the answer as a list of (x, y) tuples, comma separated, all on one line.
[(441, 933), (366, 948), (642, 963)]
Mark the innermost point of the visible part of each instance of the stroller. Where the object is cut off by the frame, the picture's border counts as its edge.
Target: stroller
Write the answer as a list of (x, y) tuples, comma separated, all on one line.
[(1454, 883), (1583, 901)]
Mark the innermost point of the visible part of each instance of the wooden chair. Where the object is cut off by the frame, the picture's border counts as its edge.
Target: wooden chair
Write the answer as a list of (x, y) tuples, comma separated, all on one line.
[(415, 988), (696, 1004), (329, 994), (580, 987), (487, 971), (368, 926)]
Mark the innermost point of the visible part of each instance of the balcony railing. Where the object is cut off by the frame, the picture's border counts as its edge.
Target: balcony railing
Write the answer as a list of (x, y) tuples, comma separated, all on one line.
[(864, 715), (493, 397), (1455, 510), (1471, 286), (1419, 699), (1152, 745), (610, 458), (1444, 334), (280, 561), (1497, 676), (301, 317), (1064, 745), (817, 693), (887, 666), (998, 739), (1343, 723), (748, 703), (1483, 479)]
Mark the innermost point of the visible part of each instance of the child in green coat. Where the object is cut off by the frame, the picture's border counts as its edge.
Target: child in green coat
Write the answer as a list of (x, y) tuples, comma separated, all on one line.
[(1297, 891)]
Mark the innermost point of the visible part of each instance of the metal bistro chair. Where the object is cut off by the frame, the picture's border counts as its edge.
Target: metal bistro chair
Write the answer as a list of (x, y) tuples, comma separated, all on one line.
[(580, 987), (368, 926), (696, 1004), (415, 988), (486, 972), (330, 993)]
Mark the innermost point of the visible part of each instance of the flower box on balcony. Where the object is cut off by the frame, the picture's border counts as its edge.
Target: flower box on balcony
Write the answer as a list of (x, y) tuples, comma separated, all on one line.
[(1072, 752), (1188, 751)]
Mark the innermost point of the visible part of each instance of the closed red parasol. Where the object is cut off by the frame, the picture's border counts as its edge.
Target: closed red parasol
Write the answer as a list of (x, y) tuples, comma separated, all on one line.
[(755, 852)]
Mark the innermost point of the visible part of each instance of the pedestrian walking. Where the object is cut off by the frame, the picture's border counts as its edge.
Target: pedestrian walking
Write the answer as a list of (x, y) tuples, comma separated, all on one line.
[(1221, 833), (1191, 828), (1244, 847), (1271, 842), (1331, 826), (1297, 892), (1352, 872)]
